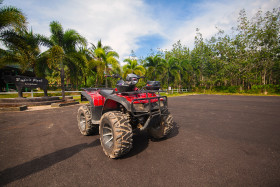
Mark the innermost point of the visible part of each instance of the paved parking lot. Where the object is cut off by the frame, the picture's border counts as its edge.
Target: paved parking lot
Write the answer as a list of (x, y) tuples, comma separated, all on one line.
[(219, 141)]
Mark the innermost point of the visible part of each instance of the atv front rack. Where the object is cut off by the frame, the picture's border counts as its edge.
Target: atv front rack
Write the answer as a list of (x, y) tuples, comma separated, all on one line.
[(153, 111), (140, 91), (152, 108)]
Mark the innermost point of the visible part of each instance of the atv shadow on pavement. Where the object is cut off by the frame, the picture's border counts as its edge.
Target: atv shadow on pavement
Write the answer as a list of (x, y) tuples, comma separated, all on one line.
[(23, 170), (141, 141)]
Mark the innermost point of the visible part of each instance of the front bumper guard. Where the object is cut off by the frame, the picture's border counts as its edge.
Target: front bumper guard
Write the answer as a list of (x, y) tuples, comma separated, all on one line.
[(152, 111), (152, 108)]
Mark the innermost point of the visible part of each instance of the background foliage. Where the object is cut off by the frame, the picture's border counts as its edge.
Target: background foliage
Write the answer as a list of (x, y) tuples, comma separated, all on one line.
[(245, 61)]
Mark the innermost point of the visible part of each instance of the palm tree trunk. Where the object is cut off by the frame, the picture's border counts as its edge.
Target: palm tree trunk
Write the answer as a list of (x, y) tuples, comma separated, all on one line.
[(106, 85), (62, 81), (168, 81), (180, 81), (96, 81)]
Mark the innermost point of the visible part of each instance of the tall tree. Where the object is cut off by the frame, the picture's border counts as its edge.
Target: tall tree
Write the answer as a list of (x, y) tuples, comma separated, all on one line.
[(132, 66), (170, 67), (24, 50), (64, 49), (105, 59), (152, 63), (11, 18)]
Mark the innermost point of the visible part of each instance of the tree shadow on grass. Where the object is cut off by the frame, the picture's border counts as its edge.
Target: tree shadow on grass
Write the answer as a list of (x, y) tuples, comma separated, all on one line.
[(23, 170)]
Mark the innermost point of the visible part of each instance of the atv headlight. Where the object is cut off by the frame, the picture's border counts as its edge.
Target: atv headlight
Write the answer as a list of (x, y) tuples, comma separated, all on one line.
[(162, 103), (139, 107)]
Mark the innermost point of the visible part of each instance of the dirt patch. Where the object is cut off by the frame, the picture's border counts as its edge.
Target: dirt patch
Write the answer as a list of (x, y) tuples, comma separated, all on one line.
[(33, 108)]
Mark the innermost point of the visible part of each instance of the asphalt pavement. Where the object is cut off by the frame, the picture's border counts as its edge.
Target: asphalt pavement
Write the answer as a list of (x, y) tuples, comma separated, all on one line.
[(218, 141)]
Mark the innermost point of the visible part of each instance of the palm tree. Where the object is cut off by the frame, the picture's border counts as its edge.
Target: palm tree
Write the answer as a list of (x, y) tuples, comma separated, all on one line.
[(100, 45), (152, 63), (95, 67), (133, 67), (170, 66), (24, 50), (76, 67), (187, 72), (63, 50), (11, 18), (105, 59), (109, 59)]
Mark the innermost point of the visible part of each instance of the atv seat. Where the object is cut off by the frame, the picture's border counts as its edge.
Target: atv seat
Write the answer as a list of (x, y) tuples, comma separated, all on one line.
[(106, 93)]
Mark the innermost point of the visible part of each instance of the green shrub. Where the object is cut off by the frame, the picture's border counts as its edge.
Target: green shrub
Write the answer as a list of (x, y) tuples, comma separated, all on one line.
[(233, 89), (219, 88), (269, 88), (91, 82)]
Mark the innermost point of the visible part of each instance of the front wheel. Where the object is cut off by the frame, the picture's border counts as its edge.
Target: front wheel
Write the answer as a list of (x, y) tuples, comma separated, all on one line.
[(115, 134), (163, 127), (84, 121)]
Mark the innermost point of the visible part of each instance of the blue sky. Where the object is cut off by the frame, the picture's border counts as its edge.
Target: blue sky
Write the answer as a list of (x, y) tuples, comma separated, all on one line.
[(139, 25)]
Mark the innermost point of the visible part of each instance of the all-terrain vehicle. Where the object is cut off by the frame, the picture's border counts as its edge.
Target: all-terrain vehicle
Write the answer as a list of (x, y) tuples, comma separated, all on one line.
[(123, 111)]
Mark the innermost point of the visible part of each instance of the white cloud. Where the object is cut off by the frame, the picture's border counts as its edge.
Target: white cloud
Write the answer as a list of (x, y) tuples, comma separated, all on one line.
[(117, 23), (221, 14), (120, 23)]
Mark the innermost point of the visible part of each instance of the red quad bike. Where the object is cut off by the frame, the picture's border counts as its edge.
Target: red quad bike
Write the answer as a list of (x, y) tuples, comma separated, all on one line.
[(122, 111)]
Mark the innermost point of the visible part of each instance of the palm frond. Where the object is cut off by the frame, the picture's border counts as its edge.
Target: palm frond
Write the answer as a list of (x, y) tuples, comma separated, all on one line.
[(57, 33), (112, 53), (12, 17)]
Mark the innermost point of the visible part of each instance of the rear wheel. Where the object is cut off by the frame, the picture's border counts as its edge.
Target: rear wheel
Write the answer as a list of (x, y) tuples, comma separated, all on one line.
[(163, 127), (84, 121), (115, 134)]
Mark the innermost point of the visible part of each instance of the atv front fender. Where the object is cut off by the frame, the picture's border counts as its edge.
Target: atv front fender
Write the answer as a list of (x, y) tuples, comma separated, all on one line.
[(85, 96), (112, 103)]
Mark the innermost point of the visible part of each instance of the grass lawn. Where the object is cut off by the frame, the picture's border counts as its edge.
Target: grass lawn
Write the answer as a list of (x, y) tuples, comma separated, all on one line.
[(77, 97), (216, 93)]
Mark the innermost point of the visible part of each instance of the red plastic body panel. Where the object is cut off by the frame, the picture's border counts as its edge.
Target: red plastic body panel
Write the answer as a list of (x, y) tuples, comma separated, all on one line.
[(98, 100), (131, 97)]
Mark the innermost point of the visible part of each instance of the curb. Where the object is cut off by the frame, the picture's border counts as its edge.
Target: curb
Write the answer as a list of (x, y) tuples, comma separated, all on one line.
[(19, 108), (63, 104)]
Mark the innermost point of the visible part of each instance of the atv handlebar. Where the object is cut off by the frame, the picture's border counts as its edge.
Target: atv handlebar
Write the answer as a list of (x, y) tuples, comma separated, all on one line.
[(116, 76)]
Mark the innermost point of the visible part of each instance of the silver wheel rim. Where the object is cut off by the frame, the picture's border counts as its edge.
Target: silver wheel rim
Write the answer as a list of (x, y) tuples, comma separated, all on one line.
[(107, 135), (82, 122)]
